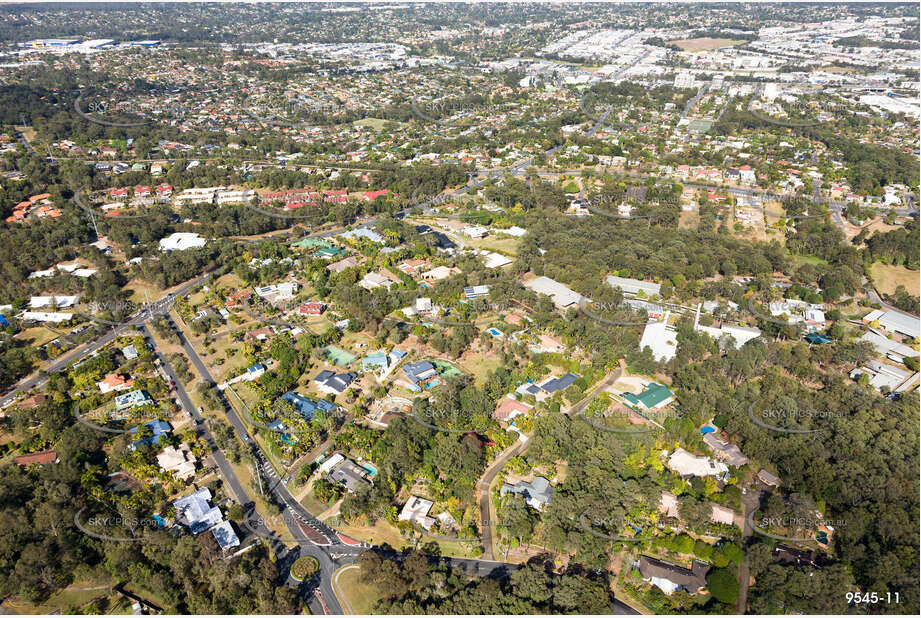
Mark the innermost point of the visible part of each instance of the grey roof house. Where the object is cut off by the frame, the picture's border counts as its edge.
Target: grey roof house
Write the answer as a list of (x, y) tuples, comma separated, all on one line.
[(537, 493)]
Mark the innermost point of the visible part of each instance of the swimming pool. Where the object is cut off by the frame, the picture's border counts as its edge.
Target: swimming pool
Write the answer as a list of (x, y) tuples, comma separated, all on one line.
[(707, 429), (495, 332), (372, 471)]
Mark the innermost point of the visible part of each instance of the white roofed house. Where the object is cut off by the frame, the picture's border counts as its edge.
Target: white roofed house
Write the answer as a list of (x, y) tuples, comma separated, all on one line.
[(727, 451), (180, 241), (686, 464), (635, 287), (416, 510), (178, 460), (895, 322), (562, 296), (661, 338)]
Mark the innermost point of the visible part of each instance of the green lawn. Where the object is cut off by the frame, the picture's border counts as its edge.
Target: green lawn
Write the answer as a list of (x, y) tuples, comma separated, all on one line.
[(356, 596)]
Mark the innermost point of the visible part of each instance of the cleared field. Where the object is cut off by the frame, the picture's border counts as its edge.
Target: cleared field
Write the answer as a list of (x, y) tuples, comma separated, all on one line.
[(356, 597), (37, 335), (508, 246), (704, 44), (375, 123), (887, 278), (142, 291), (688, 220), (479, 367)]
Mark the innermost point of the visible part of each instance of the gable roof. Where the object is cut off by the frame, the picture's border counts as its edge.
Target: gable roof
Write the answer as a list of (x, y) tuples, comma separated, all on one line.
[(692, 580)]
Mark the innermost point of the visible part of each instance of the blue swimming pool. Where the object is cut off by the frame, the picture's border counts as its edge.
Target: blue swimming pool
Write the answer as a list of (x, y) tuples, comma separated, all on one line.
[(372, 471), (707, 429), (160, 521)]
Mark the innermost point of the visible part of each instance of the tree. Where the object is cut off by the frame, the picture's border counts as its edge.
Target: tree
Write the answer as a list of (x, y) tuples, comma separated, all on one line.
[(723, 585)]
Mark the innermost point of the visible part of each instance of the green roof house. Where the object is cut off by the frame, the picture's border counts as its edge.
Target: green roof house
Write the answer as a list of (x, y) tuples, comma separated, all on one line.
[(653, 397), (330, 252), (310, 243)]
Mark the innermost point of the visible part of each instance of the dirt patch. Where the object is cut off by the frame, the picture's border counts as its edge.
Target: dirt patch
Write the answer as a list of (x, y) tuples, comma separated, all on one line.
[(887, 278), (705, 44)]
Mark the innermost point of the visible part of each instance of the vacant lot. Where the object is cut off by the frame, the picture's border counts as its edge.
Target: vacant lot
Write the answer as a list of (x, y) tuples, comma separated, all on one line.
[(704, 44), (887, 278), (356, 596)]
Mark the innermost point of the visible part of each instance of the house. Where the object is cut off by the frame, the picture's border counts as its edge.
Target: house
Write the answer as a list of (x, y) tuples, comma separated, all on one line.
[(363, 232), (661, 339), (509, 408), (195, 512), (881, 375), (328, 253), (537, 493), (279, 292), (376, 360), (350, 475), (225, 535), (896, 322), (129, 352), (562, 296), (438, 273), (887, 347), (178, 460), (252, 373), (668, 505), (686, 464), (528, 388), (476, 291), (331, 463), (416, 510), (373, 280), (259, 334), (419, 371), (414, 267), (722, 515), (333, 383), (769, 479), (475, 231), (670, 578), (553, 385), (491, 259), (635, 287), (41, 458), (115, 382), (45, 316), (343, 264), (727, 451), (134, 399), (312, 308), (653, 397), (306, 406), (157, 428), (33, 402), (180, 241), (60, 302)]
